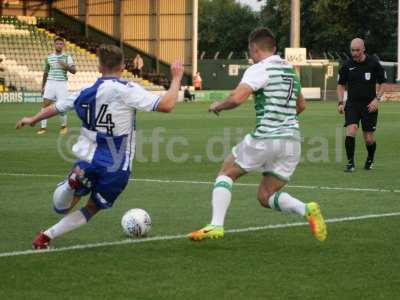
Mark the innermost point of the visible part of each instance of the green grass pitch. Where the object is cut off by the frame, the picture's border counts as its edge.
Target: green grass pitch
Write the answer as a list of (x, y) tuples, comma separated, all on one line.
[(359, 260)]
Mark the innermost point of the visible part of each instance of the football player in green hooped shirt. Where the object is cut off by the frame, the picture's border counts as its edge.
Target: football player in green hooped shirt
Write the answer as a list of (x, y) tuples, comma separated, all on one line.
[(54, 84), (273, 148)]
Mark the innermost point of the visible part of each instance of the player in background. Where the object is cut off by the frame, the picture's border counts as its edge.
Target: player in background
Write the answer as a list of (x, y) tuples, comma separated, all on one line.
[(105, 147), (54, 83), (273, 148)]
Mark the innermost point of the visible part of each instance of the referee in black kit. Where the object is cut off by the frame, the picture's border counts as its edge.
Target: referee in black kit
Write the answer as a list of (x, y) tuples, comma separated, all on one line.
[(364, 77)]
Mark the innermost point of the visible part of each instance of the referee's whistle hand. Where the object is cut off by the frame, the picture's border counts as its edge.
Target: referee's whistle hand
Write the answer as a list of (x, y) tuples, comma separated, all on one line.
[(341, 109)]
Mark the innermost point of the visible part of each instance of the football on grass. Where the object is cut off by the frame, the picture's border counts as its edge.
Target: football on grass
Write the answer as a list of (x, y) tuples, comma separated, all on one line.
[(136, 222)]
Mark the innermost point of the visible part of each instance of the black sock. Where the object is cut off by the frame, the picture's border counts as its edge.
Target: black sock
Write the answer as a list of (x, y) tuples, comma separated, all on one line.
[(371, 150), (350, 144)]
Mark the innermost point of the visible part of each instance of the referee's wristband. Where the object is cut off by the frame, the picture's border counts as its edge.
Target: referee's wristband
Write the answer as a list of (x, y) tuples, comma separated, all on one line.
[(379, 98), (340, 103)]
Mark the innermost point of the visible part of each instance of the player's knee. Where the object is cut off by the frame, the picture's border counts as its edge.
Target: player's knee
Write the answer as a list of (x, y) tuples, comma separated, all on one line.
[(233, 172), (62, 197), (352, 131), (56, 205), (45, 104), (369, 142), (227, 174), (60, 211), (369, 139)]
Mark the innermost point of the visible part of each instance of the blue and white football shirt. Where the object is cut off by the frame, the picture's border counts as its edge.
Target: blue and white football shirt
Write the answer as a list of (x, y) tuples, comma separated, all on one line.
[(108, 112)]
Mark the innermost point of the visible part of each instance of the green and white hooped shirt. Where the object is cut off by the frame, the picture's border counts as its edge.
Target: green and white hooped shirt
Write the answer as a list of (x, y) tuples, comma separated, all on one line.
[(54, 69), (276, 88)]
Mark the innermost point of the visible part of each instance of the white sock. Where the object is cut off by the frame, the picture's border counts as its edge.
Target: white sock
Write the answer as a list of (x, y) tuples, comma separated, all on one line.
[(44, 123), (63, 119), (68, 223), (221, 198), (287, 204), (62, 197)]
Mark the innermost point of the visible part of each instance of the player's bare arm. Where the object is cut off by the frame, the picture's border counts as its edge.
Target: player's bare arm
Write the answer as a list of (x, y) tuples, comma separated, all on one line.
[(168, 101), (340, 92), (235, 98), (300, 104), (45, 113), (69, 68), (44, 80)]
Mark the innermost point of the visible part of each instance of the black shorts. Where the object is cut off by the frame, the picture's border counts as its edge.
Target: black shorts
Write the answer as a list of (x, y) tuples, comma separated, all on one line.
[(354, 113)]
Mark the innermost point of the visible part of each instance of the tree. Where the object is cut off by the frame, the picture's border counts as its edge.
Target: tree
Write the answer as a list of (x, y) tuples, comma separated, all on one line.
[(224, 26), (330, 25), (342, 20), (326, 25)]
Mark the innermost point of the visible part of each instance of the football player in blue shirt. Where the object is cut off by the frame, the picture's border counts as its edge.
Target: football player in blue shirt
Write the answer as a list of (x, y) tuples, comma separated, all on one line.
[(106, 144)]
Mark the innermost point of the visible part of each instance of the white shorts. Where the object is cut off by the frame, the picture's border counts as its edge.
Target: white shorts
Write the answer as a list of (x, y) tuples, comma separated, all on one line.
[(277, 157), (56, 90)]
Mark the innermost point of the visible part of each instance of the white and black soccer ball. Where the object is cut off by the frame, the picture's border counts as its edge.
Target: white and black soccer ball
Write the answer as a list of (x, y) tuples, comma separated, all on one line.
[(136, 222)]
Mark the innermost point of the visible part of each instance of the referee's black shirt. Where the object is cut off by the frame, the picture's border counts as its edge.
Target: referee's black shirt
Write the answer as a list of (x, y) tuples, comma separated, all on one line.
[(361, 79)]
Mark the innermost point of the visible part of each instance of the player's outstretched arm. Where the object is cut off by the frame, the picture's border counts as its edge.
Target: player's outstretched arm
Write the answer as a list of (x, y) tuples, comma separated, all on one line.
[(235, 98), (168, 101), (300, 104), (45, 113)]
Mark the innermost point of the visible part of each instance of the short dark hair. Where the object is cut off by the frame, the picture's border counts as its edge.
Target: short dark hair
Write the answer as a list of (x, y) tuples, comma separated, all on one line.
[(58, 38), (110, 56), (263, 38)]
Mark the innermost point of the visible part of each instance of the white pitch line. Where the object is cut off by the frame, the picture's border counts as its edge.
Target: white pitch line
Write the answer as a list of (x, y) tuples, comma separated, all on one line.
[(307, 187), (182, 236)]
